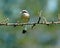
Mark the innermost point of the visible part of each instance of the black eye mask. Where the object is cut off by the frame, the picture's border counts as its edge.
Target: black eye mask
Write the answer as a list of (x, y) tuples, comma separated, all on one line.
[(24, 11)]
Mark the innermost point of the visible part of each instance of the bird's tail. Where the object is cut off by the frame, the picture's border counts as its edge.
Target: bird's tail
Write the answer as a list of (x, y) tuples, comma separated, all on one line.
[(24, 29)]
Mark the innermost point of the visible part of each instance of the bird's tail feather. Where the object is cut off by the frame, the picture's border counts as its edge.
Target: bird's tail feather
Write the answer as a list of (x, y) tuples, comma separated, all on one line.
[(24, 29)]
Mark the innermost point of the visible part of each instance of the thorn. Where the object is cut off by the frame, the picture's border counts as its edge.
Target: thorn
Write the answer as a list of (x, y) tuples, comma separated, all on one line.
[(47, 24), (39, 20), (45, 20), (14, 25), (33, 25), (24, 31), (40, 13)]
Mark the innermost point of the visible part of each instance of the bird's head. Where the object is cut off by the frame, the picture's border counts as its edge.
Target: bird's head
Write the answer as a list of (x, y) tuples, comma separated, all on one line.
[(24, 11)]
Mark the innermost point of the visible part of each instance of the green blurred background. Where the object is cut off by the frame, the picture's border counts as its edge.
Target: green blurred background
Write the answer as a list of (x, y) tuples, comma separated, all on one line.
[(41, 36)]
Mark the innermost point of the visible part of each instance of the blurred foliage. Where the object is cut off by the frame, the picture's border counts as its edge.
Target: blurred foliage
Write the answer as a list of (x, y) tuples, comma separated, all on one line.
[(41, 36)]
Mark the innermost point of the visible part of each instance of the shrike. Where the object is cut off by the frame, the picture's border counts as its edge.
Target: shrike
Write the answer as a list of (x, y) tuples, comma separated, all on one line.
[(24, 19)]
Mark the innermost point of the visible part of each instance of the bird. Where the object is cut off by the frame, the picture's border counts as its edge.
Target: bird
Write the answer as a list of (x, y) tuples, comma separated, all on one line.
[(25, 16)]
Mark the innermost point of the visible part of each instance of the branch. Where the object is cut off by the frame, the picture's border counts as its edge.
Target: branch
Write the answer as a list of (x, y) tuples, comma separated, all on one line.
[(31, 23)]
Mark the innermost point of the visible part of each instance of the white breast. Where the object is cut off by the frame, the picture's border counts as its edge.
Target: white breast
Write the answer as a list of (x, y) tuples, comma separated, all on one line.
[(26, 14)]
